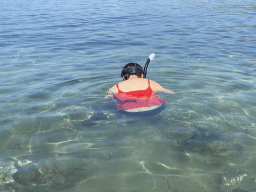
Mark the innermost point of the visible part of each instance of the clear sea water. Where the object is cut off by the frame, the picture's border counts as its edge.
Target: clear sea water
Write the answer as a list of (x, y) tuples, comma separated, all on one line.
[(59, 133)]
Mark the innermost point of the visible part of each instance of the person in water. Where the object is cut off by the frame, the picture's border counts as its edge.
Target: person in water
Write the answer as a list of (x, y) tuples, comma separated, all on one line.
[(136, 93)]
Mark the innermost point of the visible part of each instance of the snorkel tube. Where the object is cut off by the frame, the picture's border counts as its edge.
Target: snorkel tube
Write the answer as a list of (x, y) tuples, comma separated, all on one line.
[(151, 57)]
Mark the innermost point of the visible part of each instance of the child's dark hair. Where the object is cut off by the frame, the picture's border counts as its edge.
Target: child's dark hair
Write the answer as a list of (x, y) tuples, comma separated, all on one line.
[(130, 65)]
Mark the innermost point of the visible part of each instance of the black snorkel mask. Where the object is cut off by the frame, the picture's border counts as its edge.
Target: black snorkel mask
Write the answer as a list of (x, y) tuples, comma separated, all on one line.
[(133, 70)]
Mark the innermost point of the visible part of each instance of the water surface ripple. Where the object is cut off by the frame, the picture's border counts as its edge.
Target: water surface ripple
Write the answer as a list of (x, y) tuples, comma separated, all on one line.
[(58, 60)]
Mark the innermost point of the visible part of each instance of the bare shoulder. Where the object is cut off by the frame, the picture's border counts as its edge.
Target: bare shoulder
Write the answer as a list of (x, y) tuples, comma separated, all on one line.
[(155, 86)]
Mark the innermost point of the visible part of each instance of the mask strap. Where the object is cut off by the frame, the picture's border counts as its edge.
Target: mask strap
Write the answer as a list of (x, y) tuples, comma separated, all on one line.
[(133, 70)]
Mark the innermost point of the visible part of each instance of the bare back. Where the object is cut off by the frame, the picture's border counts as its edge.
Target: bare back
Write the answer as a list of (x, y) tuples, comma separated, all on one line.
[(133, 85), (136, 84)]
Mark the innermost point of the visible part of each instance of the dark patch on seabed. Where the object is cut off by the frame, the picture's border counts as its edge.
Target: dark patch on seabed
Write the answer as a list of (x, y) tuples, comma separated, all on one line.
[(54, 173), (239, 190), (204, 141), (51, 174)]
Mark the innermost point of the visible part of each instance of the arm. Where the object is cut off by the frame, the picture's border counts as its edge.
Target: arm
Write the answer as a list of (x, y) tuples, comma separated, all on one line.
[(158, 88), (167, 91), (111, 91)]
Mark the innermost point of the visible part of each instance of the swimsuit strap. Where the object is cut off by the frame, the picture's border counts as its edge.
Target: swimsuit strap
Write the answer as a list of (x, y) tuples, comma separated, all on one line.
[(149, 88), (119, 91)]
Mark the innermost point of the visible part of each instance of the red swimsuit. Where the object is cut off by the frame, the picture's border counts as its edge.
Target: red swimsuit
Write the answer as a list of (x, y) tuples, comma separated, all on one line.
[(137, 99)]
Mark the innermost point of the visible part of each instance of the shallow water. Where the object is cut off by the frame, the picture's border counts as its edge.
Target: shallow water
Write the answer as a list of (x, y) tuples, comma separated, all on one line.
[(58, 60)]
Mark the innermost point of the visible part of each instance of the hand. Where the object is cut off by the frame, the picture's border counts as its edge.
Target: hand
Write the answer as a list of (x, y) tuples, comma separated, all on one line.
[(171, 91), (167, 91), (108, 96)]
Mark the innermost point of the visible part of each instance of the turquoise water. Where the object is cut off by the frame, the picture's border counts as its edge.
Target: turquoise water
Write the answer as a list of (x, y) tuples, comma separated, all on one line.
[(59, 133)]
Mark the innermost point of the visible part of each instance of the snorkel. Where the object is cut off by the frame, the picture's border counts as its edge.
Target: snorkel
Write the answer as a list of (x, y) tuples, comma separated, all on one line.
[(151, 57)]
